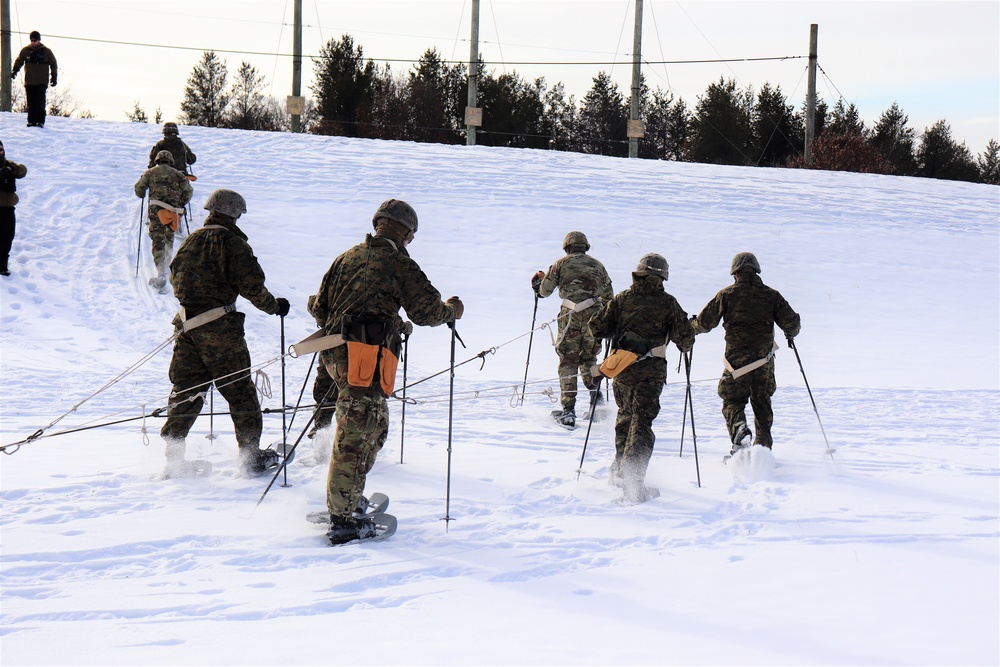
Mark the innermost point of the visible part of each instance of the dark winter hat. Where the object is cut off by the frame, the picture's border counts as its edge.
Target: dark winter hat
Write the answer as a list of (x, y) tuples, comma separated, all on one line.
[(35, 36)]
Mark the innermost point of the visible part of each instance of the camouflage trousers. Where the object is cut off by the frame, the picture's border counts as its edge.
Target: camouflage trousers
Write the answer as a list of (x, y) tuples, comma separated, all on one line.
[(325, 396), (637, 393), (162, 242), (756, 386), (214, 352), (577, 350), (362, 427)]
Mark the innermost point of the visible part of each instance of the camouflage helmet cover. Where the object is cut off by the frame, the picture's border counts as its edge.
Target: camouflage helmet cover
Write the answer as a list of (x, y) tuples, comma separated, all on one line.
[(576, 238), (170, 128), (165, 156), (226, 202), (744, 260), (652, 264), (398, 211)]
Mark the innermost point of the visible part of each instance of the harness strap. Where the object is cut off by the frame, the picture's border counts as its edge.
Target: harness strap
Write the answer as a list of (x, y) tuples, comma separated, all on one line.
[(317, 342), (752, 366), (163, 204), (577, 307), (204, 318)]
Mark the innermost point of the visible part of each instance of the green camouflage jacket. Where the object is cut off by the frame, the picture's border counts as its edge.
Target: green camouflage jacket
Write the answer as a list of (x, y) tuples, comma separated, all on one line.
[(165, 184), (182, 154), (214, 265), (748, 309), (376, 278), (579, 277), (646, 312)]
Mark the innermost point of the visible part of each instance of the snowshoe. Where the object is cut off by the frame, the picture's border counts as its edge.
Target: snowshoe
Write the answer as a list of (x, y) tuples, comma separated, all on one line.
[(256, 462), (361, 529), (635, 494), (740, 441), (184, 468), (565, 418), (377, 504), (285, 450)]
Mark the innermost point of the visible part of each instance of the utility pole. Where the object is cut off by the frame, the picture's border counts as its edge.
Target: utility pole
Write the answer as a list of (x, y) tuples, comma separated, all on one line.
[(296, 103), (636, 128), (473, 114), (5, 61), (811, 94)]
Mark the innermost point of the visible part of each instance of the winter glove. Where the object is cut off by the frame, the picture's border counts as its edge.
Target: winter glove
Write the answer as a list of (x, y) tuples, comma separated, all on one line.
[(13, 75), (457, 306), (536, 279), (407, 328), (791, 341), (283, 306), (53, 82)]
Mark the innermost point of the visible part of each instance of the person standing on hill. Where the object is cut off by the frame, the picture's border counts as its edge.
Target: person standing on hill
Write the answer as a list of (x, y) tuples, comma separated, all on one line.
[(640, 321), (748, 310), (172, 142), (583, 284), (9, 173), (40, 71), (169, 191), (213, 266), (359, 300)]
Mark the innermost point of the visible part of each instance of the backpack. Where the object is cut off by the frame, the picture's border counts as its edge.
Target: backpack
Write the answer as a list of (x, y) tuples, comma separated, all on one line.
[(37, 56)]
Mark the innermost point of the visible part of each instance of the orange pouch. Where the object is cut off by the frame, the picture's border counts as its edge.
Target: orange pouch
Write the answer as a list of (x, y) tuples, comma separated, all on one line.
[(617, 361), (387, 371), (168, 218), (362, 359)]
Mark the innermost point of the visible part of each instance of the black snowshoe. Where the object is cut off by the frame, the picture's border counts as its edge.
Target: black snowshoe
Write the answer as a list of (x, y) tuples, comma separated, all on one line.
[(361, 528), (565, 418)]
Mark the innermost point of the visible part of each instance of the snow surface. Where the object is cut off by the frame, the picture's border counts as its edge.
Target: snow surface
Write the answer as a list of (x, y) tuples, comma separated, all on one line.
[(885, 553)]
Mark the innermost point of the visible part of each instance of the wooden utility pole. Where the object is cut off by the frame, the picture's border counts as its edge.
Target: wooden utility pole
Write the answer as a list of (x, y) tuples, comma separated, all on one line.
[(636, 129), (811, 94), (295, 103), (473, 114), (5, 61)]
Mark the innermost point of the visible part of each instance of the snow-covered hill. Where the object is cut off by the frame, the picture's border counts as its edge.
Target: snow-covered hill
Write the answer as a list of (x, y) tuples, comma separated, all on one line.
[(885, 553)]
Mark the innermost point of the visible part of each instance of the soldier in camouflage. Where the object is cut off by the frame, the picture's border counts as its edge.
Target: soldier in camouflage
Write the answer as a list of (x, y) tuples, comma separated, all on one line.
[(642, 320), (367, 285), (169, 191), (9, 173), (583, 285), (748, 310), (213, 266), (172, 142)]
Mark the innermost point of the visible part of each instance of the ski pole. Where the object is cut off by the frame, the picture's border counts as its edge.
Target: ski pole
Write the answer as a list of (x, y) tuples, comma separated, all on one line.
[(402, 416), (451, 403), (211, 412), (138, 250), (284, 405), (590, 423), (531, 337), (302, 391), (829, 450), (688, 400)]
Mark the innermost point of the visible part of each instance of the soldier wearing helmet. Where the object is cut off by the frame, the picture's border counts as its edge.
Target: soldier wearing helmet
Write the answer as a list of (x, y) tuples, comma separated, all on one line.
[(172, 142), (213, 267), (748, 310), (640, 321), (169, 192), (359, 300), (583, 285)]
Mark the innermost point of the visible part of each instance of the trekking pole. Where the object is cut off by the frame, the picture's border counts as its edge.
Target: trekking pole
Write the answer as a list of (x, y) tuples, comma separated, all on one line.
[(284, 406), (451, 403), (590, 423), (829, 450), (302, 391), (687, 397), (694, 437), (531, 337), (402, 416), (211, 412), (138, 250)]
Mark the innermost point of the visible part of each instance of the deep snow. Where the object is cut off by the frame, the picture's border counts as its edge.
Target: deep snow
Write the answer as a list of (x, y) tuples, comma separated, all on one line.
[(885, 553)]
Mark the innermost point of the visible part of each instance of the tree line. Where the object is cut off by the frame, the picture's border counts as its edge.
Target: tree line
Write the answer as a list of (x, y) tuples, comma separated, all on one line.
[(728, 124)]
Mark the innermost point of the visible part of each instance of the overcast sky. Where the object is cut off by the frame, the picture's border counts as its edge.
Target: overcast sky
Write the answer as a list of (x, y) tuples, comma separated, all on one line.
[(938, 60)]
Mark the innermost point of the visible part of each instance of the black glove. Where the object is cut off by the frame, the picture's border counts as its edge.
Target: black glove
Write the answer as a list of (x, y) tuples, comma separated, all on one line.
[(13, 75), (5, 169), (283, 306), (53, 82), (791, 341)]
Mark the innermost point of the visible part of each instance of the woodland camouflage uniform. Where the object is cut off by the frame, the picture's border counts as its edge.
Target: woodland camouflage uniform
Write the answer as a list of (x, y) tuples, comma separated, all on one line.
[(373, 280), (173, 143), (213, 266), (748, 310), (578, 277), (639, 319), (170, 186)]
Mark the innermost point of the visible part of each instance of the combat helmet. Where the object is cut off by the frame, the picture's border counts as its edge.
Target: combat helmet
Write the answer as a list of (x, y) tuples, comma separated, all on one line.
[(226, 202), (398, 211), (744, 260), (652, 264), (170, 128), (576, 239), (165, 156)]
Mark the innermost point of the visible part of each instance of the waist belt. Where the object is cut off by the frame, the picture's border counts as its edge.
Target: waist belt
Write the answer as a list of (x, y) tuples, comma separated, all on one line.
[(317, 342), (204, 318), (163, 204), (577, 307), (752, 366)]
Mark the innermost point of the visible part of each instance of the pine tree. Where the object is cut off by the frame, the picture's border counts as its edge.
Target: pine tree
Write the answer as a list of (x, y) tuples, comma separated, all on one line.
[(845, 120), (775, 129), (722, 126), (343, 87), (560, 119), (667, 127), (137, 114), (603, 119), (205, 96), (249, 109), (438, 95), (894, 140), (989, 164), (939, 156)]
